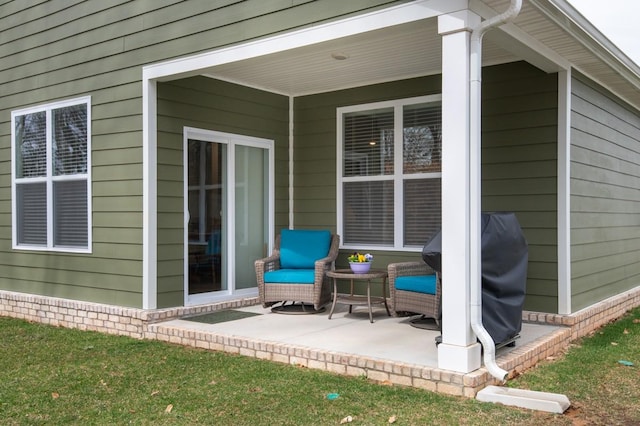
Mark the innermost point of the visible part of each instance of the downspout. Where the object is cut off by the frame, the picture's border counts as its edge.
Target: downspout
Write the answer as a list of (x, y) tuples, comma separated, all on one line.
[(475, 294)]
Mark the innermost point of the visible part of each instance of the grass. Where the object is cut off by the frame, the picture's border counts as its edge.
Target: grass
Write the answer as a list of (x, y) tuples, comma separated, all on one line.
[(603, 390), (51, 375)]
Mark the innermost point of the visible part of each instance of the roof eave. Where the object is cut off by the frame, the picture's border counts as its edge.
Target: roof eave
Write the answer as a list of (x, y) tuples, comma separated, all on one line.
[(566, 16)]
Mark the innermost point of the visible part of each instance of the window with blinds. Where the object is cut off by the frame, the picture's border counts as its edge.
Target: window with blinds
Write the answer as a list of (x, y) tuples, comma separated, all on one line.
[(389, 186), (51, 202)]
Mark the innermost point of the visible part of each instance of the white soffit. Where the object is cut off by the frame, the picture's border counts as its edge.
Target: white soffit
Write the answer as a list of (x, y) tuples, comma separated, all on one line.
[(393, 53)]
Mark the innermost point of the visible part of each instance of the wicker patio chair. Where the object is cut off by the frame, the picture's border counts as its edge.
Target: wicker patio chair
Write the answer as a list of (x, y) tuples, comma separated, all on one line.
[(420, 290), (297, 273)]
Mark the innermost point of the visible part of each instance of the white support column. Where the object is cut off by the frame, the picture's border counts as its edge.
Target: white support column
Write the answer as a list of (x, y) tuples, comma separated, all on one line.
[(149, 195), (459, 350), (564, 192)]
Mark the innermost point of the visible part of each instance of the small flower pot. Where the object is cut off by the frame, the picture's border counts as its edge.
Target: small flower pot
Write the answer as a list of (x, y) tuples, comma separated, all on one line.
[(360, 267)]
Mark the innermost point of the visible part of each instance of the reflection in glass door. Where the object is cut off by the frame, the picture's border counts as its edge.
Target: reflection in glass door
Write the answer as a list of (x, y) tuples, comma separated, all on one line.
[(206, 201), (227, 213), (250, 212)]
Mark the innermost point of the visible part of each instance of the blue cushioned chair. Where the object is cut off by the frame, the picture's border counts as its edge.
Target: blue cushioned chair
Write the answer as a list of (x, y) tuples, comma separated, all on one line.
[(415, 288), (296, 270)]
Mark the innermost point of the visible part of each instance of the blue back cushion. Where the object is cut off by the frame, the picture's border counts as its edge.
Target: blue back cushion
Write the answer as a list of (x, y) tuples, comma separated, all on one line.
[(213, 245), (417, 283), (299, 249)]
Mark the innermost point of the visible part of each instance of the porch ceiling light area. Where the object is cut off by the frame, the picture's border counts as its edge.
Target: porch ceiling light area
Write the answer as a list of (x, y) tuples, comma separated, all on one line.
[(388, 54)]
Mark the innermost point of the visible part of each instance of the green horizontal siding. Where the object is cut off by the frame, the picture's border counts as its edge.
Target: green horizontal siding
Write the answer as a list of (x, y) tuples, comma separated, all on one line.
[(605, 194), (55, 50), (61, 49), (102, 38), (519, 166)]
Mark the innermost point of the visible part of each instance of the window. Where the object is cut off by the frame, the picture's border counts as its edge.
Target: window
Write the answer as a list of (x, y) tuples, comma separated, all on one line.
[(389, 187), (51, 190)]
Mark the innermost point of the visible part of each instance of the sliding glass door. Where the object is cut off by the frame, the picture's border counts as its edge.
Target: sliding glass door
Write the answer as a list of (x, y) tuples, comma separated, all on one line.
[(227, 213)]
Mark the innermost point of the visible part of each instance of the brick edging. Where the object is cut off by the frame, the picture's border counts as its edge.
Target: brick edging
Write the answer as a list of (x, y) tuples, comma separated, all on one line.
[(586, 320), (90, 316)]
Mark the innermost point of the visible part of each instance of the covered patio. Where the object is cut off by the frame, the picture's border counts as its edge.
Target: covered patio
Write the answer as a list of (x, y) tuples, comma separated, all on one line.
[(425, 39)]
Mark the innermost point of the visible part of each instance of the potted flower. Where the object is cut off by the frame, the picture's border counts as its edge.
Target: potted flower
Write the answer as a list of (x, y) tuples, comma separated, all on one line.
[(360, 263)]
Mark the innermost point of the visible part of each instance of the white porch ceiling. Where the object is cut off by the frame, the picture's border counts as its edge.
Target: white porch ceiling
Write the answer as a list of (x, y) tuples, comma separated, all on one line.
[(393, 53), (547, 33)]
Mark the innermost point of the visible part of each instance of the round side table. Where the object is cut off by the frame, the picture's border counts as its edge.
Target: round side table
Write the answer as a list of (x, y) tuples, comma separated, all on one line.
[(359, 299)]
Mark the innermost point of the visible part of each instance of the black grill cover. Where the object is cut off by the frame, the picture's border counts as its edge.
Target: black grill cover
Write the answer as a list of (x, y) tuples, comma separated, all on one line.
[(504, 273)]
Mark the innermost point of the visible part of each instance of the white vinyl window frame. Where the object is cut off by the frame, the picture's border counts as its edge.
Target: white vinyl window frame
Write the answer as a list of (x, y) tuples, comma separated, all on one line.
[(398, 177), (49, 178)]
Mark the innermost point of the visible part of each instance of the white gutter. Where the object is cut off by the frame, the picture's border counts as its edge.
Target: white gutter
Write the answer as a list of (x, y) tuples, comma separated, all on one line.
[(475, 183)]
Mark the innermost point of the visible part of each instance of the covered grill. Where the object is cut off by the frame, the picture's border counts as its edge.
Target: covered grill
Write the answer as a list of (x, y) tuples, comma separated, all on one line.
[(504, 273)]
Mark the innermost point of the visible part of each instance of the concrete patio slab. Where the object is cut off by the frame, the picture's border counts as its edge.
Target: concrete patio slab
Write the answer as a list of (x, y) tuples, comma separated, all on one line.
[(387, 349), (387, 338)]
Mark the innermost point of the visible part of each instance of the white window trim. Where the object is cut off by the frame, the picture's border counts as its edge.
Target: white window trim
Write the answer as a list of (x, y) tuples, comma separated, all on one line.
[(398, 177), (49, 179)]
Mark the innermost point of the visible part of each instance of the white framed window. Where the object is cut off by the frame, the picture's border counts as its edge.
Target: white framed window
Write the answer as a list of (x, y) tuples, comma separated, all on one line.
[(388, 187), (51, 176)]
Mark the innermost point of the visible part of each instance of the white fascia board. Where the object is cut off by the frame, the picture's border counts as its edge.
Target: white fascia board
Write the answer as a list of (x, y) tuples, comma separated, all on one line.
[(401, 14)]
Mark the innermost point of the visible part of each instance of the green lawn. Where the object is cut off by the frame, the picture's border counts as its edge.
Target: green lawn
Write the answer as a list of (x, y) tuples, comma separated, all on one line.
[(57, 376)]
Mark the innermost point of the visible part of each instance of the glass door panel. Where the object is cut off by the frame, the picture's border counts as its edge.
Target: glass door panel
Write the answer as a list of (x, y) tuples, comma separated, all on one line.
[(207, 225), (251, 192)]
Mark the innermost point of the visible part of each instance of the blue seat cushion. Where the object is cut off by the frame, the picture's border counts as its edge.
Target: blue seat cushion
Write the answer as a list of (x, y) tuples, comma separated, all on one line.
[(417, 283), (299, 249), (290, 276)]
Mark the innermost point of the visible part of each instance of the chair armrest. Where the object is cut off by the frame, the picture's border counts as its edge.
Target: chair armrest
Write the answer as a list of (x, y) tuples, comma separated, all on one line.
[(408, 268), (267, 264), (323, 263), (326, 262)]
